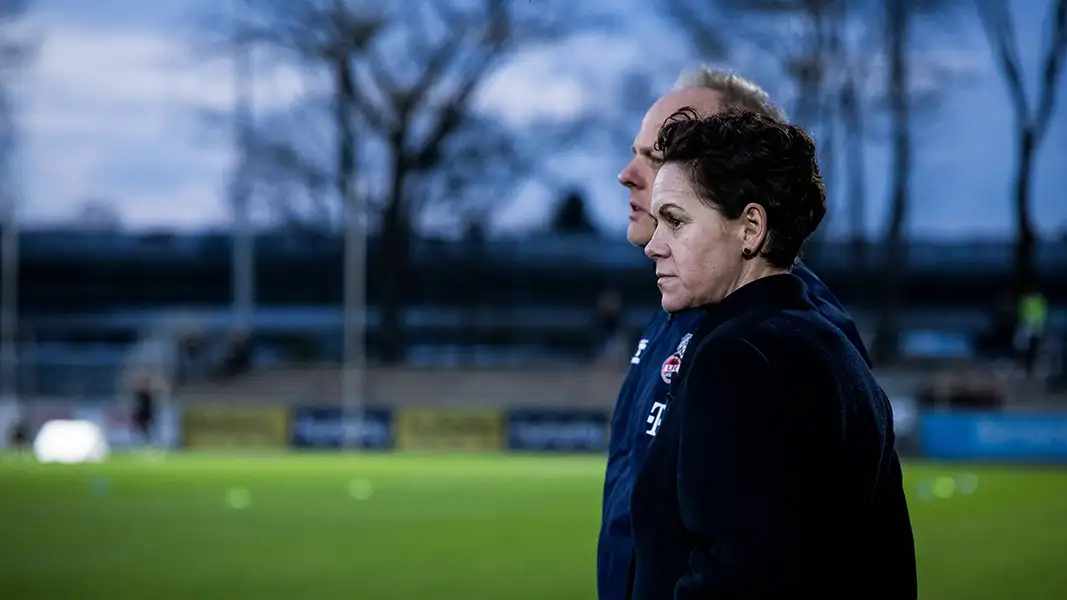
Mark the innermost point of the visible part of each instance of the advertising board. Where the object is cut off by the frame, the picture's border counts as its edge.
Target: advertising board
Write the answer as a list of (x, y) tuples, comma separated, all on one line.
[(329, 427), (442, 430), (994, 437), (558, 430), (120, 431), (235, 427)]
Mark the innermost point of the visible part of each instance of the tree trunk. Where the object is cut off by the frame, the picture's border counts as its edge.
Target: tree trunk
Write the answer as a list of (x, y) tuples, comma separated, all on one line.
[(1025, 239), (886, 347), (856, 160), (396, 239), (828, 166)]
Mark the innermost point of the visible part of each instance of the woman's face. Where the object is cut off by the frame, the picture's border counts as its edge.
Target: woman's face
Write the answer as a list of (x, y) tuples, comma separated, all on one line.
[(697, 251)]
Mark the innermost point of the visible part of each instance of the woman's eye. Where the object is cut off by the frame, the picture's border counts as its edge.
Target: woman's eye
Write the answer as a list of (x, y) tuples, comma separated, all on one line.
[(672, 220)]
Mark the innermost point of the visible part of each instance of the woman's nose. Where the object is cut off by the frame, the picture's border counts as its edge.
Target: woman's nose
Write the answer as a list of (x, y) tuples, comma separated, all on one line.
[(655, 248)]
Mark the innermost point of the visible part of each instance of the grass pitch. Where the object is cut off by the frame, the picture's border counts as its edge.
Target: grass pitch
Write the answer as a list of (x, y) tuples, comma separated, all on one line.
[(376, 527)]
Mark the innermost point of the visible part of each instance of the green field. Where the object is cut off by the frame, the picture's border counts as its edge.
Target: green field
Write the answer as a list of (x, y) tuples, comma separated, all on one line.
[(417, 527)]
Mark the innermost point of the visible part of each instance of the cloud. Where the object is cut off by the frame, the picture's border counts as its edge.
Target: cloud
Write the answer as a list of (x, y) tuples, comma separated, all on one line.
[(528, 90), (562, 81), (533, 87), (114, 114)]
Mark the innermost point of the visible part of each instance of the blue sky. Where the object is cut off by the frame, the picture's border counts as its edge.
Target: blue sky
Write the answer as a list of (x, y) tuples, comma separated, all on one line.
[(113, 109)]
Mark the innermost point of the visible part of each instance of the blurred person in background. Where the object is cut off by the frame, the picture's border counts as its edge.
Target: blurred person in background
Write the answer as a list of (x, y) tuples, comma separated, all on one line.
[(996, 342), (144, 408), (192, 345), (1033, 316), (774, 472), (19, 435), (611, 340), (238, 358), (643, 396)]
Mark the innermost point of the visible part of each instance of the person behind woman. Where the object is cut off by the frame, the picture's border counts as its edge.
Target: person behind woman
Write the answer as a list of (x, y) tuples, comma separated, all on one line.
[(774, 473)]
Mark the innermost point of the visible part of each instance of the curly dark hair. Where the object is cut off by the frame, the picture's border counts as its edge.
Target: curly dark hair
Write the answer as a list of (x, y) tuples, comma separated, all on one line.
[(738, 157)]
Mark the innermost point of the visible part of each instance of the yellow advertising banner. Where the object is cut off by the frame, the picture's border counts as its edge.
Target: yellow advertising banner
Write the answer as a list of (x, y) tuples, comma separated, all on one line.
[(449, 430), (238, 427)]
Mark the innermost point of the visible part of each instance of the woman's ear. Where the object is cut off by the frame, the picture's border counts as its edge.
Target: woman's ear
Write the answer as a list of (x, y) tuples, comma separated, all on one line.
[(754, 229)]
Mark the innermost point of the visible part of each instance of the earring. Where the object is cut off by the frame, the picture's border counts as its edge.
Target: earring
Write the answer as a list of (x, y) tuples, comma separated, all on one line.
[(747, 253)]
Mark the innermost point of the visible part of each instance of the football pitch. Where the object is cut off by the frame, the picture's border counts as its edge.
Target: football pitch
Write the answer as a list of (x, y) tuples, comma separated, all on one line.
[(410, 527)]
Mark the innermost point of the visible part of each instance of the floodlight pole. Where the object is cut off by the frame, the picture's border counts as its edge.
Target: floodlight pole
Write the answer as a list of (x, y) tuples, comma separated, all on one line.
[(354, 311), (353, 198), (243, 252), (9, 274)]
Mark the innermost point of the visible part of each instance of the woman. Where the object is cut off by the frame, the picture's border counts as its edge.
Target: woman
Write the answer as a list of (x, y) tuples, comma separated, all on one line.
[(774, 472)]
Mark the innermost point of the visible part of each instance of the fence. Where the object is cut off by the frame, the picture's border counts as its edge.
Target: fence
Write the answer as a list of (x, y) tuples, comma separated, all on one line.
[(404, 429), (276, 427), (936, 434)]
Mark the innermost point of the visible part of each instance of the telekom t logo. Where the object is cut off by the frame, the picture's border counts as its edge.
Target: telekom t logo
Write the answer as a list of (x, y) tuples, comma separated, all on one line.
[(655, 417)]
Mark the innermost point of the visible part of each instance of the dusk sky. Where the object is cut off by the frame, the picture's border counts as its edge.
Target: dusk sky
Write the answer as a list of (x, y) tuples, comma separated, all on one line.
[(113, 108)]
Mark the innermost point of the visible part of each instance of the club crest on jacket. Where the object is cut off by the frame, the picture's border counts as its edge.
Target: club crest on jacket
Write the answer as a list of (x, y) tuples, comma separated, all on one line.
[(674, 361)]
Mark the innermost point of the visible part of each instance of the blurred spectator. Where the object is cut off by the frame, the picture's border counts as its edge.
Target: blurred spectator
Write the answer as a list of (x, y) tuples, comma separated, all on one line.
[(612, 343), (191, 352), (998, 341), (20, 434), (1033, 316), (144, 408), (238, 358)]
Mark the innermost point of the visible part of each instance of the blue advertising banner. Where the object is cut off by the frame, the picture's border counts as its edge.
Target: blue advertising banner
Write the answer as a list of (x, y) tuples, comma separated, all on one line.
[(994, 436), (557, 430), (327, 427)]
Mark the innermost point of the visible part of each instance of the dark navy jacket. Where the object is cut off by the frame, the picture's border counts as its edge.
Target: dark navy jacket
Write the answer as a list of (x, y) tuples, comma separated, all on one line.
[(774, 472), (637, 415)]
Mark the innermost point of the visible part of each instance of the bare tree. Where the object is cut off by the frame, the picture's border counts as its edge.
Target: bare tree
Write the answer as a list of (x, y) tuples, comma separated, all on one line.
[(897, 30), (850, 99), (477, 167), (900, 18), (416, 115), (851, 103), (403, 75), (294, 188), (831, 67), (1031, 123), (804, 40)]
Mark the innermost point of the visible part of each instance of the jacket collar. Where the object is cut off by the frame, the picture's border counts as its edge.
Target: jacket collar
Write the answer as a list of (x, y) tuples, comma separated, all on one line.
[(763, 296)]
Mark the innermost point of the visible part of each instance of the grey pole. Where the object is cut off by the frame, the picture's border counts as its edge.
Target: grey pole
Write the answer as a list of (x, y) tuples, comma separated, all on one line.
[(9, 254), (243, 258), (355, 357)]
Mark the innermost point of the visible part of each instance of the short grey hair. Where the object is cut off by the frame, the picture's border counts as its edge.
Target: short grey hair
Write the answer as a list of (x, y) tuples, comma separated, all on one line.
[(736, 91)]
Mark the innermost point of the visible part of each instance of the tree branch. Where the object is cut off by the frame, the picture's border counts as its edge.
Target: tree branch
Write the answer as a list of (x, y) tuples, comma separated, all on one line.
[(1054, 55), (409, 71), (998, 26), (703, 28)]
